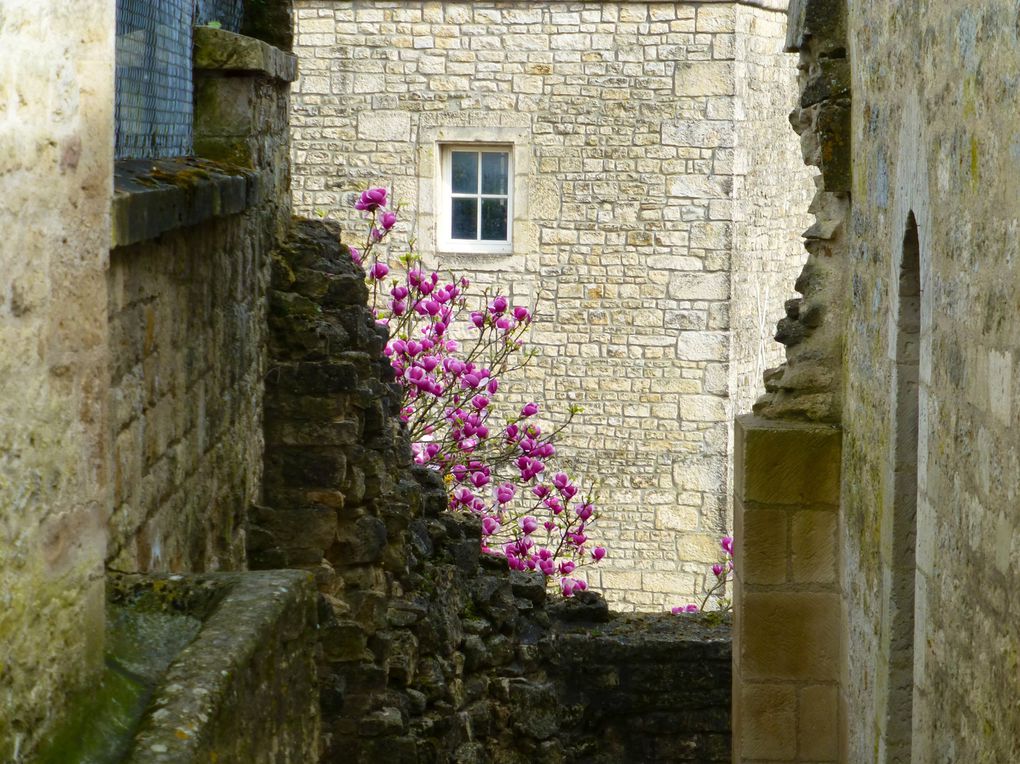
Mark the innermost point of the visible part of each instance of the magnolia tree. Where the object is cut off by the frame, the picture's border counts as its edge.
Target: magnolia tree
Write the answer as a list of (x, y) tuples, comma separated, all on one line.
[(451, 353), (721, 571)]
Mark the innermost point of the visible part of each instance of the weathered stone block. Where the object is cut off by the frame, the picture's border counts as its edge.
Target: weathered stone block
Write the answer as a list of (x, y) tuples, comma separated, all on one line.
[(359, 542), (789, 635), (703, 346), (384, 125), (767, 728), (786, 463), (817, 725), (813, 550), (764, 546), (704, 78)]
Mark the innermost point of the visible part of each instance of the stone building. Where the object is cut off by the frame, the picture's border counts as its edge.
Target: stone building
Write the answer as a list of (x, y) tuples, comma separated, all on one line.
[(876, 488), (646, 192)]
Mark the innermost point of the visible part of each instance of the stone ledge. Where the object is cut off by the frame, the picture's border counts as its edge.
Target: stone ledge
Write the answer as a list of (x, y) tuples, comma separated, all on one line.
[(223, 51), (152, 197), (244, 689)]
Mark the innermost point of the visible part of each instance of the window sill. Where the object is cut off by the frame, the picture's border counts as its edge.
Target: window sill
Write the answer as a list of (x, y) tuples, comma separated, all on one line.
[(152, 197), (444, 249)]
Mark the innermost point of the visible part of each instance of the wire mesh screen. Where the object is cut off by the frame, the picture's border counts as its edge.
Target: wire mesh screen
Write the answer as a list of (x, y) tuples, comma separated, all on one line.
[(154, 89), (227, 12)]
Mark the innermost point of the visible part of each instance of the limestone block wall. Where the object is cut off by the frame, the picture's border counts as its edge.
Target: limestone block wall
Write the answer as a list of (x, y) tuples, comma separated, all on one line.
[(627, 122), (936, 159), (56, 165)]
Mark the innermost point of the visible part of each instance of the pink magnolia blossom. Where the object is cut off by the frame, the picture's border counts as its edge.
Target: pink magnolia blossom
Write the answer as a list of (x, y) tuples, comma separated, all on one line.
[(371, 200)]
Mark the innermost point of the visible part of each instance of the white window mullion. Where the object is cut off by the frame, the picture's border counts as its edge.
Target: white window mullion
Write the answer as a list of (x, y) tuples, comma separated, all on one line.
[(478, 201)]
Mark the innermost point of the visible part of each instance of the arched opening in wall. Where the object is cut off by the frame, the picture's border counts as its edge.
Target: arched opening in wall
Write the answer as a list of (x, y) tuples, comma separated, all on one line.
[(906, 379)]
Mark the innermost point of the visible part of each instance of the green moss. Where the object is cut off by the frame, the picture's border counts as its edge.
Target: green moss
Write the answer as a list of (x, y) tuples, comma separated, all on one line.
[(187, 178), (100, 723)]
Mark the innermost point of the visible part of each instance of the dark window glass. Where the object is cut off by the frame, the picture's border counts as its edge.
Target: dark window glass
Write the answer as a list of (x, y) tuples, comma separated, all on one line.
[(465, 172), (494, 219), (495, 171), (465, 219)]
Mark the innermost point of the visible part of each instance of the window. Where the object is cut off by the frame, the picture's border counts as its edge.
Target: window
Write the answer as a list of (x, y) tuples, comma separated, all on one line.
[(477, 199)]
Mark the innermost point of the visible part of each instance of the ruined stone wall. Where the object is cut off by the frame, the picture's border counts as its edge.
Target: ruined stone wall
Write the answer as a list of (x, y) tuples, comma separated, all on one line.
[(430, 651), (623, 117), (935, 139), (56, 163), (808, 385), (771, 192)]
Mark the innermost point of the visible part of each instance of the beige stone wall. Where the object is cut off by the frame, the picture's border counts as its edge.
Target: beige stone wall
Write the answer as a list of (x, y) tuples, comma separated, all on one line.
[(630, 127), (935, 134), (56, 158), (786, 636)]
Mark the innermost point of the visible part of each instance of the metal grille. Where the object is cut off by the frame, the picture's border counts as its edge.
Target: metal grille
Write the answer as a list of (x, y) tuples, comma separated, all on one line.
[(227, 12), (154, 89)]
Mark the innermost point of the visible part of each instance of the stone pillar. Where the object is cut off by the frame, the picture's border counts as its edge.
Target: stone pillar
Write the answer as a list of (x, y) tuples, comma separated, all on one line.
[(786, 598), (56, 181), (242, 89)]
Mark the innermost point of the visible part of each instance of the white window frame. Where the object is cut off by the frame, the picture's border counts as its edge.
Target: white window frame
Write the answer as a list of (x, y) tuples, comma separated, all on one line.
[(446, 243)]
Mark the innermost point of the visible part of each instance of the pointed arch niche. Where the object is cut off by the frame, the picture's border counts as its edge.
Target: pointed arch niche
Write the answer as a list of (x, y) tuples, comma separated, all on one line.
[(901, 529)]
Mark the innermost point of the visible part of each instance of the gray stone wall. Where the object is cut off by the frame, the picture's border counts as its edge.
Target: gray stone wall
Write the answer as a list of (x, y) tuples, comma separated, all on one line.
[(935, 139), (632, 132), (187, 330)]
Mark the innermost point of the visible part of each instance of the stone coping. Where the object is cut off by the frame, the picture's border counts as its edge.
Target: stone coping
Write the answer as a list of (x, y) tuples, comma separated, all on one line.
[(223, 51), (240, 612), (152, 197)]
